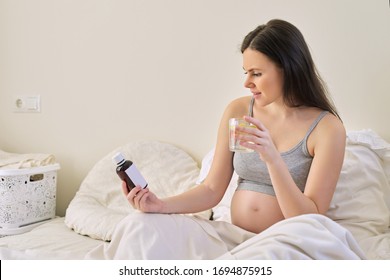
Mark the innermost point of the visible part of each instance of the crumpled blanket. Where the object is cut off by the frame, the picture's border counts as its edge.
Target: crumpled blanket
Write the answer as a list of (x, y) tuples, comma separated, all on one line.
[(19, 161), (159, 236)]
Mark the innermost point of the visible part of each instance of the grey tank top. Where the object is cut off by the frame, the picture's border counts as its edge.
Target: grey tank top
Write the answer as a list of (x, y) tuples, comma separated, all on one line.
[(253, 173)]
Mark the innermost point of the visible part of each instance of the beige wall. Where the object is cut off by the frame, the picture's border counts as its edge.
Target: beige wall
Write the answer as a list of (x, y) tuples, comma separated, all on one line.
[(109, 72)]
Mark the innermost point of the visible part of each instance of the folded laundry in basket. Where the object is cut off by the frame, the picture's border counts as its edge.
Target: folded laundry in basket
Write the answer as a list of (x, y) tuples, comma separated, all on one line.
[(19, 161)]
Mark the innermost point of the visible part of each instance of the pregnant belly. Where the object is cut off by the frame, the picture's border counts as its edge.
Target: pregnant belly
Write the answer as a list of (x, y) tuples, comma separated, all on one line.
[(254, 211)]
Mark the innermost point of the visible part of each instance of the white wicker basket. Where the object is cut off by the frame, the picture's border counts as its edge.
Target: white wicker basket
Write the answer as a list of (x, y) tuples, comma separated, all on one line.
[(27, 197)]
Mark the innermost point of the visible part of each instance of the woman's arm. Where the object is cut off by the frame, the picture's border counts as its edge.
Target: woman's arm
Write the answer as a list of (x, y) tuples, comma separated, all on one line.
[(208, 193)]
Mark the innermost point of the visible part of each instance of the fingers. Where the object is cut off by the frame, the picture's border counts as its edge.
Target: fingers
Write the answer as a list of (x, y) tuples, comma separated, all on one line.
[(254, 136), (135, 195), (256, 122), (140, 199), (256, 129)]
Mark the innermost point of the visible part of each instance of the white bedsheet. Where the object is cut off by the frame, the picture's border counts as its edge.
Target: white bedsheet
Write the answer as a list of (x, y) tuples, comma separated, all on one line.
[(158, 236), (52, 240)]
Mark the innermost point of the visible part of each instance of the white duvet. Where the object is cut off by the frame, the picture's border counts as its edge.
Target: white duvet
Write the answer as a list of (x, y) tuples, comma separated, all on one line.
[(159, 236), (168, 237)]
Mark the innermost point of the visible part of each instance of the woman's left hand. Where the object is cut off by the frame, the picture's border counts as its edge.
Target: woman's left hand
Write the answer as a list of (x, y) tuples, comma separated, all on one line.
[(258, 139)]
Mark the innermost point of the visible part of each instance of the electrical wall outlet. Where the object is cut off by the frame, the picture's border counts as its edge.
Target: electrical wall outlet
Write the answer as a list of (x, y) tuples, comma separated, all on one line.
[(27, 104)]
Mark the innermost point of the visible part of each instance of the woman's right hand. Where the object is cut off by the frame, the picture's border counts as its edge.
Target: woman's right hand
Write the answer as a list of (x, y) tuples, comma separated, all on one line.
[(143, 199)]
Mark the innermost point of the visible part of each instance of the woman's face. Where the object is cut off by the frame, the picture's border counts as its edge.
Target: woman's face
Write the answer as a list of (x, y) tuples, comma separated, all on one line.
[(264, 77)]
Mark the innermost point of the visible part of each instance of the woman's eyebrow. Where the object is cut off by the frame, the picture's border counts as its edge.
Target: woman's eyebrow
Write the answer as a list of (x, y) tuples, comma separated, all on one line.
[(252, 69)]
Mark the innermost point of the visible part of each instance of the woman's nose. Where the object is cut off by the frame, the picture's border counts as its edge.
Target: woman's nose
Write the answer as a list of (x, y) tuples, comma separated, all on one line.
[(248, 83)]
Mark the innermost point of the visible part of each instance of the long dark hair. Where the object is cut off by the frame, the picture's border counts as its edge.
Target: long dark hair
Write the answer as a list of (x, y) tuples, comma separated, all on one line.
[(284, 44)]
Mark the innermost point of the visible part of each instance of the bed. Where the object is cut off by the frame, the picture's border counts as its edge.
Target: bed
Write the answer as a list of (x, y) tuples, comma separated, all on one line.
[(99, 223)]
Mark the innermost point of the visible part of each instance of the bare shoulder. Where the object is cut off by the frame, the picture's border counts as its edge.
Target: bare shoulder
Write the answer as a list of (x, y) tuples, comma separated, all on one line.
[(239, 107), (332, 126), (330, 131)]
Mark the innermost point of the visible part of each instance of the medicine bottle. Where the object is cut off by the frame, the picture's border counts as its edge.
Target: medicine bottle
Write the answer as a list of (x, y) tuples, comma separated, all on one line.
[(128, 172)]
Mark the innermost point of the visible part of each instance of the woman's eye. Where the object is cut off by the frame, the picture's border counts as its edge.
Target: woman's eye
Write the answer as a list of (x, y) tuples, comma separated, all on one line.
[(254, 74)]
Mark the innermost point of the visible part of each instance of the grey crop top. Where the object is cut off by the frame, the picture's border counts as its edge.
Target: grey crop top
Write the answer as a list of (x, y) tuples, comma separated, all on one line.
[(253, 172)]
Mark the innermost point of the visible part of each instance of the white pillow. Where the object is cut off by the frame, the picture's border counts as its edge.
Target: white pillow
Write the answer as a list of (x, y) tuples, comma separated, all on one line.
[(368, 138), (359, 201), (99, 203)]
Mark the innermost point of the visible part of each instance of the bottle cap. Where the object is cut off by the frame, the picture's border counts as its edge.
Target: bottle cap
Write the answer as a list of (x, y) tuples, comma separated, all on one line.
[(118, 158)]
